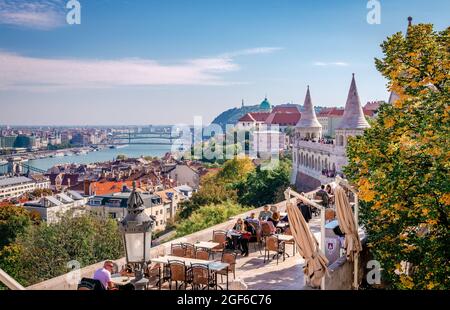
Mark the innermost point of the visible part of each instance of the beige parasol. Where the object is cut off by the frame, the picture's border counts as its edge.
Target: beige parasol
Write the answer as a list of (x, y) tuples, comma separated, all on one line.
[(315, 261), (347, 224)]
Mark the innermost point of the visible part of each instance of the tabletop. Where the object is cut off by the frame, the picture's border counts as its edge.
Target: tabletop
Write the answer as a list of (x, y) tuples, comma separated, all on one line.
[(234, 233), (121, 280), (282, 224), (285, 237), (206, 244)]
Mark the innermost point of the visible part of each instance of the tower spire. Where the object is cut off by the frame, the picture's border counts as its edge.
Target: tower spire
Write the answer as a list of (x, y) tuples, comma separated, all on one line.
[(308, 118), (353, 117)]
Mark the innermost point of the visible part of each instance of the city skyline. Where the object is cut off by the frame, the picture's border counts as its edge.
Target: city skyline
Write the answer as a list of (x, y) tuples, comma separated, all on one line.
[(163, 63)]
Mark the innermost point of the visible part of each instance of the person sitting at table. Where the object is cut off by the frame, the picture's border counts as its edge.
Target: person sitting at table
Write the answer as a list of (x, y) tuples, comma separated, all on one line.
[(251, 217), (245, 229), (305, 210), (265, 214), (323, 195), (275, 218), (104, 275)]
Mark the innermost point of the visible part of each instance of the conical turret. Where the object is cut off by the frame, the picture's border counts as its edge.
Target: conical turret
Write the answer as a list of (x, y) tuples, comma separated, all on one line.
[(353, 117), (308, 118)]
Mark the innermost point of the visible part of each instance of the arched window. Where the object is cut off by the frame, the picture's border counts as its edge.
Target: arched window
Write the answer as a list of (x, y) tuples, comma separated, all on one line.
[(340, 139)]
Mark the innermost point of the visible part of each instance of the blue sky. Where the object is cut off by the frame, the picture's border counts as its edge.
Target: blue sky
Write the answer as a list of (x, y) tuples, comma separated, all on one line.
[(162, 62)]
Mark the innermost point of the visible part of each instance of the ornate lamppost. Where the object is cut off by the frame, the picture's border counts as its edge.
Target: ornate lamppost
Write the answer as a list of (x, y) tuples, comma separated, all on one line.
[(136, 228)]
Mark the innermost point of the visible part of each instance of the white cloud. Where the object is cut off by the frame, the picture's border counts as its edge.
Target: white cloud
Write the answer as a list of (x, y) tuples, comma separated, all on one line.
[(328, 64), (43, 74), (36, 14)]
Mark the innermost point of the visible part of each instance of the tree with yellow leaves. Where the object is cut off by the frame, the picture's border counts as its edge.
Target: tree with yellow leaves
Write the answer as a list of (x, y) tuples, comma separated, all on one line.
[(401, 164)]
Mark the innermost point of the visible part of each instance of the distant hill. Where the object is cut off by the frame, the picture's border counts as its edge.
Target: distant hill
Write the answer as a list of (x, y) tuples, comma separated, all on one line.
[(232, 116)]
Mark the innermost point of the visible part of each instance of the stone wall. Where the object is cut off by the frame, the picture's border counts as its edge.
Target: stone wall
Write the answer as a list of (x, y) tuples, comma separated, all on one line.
[(306, 183)]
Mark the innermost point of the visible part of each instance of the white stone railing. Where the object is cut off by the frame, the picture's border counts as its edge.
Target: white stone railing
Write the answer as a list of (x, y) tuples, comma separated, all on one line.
[(10, 282), (329, 148)]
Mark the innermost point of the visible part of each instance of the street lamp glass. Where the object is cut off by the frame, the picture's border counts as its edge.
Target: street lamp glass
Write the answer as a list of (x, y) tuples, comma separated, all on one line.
[(138, 246)]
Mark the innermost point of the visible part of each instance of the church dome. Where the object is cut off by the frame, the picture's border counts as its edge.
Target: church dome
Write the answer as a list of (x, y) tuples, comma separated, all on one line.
[(265, 105)]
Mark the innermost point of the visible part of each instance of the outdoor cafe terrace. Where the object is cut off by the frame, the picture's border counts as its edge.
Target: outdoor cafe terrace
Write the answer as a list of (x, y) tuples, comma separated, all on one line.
[(254, 270)]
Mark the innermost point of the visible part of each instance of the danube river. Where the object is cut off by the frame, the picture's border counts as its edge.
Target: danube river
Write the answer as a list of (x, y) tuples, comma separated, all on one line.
[(102, 155)]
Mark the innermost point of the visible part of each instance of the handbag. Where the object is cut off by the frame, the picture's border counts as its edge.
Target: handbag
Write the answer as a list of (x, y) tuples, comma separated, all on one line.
[(246, 235)]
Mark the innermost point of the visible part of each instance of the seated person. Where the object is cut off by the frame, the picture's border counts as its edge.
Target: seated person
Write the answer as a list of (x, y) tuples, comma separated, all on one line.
[(323, 195), (252, 217), (265, 214), (246, 230), (273, 208), (104, 275), (275, 219), (305, 210)]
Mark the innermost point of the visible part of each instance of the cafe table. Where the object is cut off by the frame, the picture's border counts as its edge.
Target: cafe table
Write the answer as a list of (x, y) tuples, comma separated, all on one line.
[(207, 245), (120, 280)]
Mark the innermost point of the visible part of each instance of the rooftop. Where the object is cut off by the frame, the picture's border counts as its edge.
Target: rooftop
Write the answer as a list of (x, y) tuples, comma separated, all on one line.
[(13, 181)]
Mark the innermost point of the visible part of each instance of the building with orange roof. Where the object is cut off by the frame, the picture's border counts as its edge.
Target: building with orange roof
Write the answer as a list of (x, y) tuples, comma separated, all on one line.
[(93, 188)]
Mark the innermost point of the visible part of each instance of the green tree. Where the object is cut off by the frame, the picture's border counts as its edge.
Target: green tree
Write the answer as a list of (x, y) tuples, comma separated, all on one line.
[(401, 164), (43, 251), (41, 192), (218, 187), (13, 221), (235, 170), (208, 216), (121, 157), (264, 186)]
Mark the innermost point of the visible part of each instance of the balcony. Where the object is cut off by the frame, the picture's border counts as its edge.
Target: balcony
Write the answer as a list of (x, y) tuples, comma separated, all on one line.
[(317, 146)]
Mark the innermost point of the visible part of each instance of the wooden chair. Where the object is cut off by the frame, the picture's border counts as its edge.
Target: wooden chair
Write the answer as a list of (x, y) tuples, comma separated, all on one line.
[(177, 250), (189, 250), (288, 232), (219, 236), (153, 274), (228, 257), (88, 284), (178, 273), (267, 230), (274, 245), (202, 253), (201, 277), (256, 239)]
